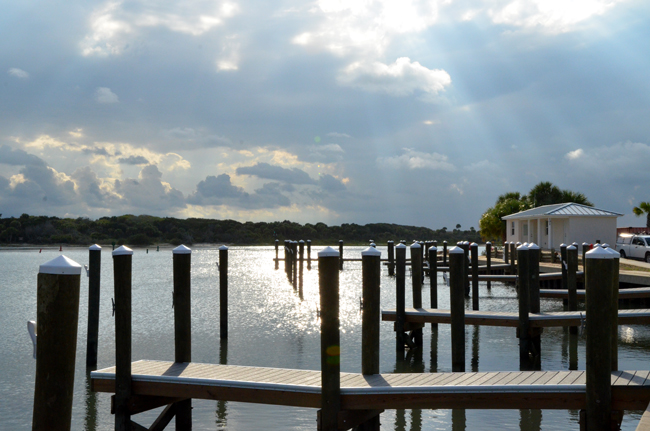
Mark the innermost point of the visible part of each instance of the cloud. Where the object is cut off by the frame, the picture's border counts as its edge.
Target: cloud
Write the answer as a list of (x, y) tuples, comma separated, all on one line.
[(220, 191), (133, 160), (338, 135), (105, 95), (574, 155), (149, 192), (277, 173), (18, 73), (330, 184), (9, 156), (401, 78), (417, 160), (328, 153)]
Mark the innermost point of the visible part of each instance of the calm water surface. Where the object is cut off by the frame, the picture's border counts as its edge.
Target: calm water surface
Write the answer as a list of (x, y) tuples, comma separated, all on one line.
[(270, 325)]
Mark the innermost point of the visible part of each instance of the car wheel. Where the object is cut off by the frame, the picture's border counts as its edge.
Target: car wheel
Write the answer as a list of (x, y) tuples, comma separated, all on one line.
[(647, 257), (623, 254)]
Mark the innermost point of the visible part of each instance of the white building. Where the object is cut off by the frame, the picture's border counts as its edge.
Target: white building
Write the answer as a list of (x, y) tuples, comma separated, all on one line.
[(551, 225)]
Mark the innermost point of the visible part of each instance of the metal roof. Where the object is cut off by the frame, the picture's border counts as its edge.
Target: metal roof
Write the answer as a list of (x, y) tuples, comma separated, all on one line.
[(562, 210)]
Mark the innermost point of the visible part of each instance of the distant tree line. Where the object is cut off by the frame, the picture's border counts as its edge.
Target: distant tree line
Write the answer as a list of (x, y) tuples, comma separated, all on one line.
[(147, 230)]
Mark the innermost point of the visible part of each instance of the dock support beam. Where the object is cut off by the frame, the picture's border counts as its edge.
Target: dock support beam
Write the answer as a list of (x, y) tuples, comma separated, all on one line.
[(433, 279), (400, 299), (122, 267), (328, 276), (57, 317), (457, 307), (391, 258), (474, 255), (523, 256), (416, 279), (600, 279), (94, 277), (182, 263), (223, 290)]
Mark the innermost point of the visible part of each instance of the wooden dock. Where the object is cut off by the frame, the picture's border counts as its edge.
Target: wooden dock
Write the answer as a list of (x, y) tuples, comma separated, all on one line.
[(302, 388), (633, 293), (511, 319)]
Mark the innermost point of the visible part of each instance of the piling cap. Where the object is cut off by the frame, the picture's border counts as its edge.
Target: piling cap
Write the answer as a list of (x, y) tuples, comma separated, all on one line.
[(181, 249), (562, 245), (60, 265), (605, 245), (456, 250), (599, 253), (613, 252), (400, 245), (308, 240), (416, 245), (575, 243), (488, 243), (301, 242), (94, 247), (224, 248), (522, 247), (518, 244), (473, 244), (123, 251), (526, 244), (371, 251), (391, 242), (533, 246), (433, 248), (328, 252), (585, 243), (572, 247)]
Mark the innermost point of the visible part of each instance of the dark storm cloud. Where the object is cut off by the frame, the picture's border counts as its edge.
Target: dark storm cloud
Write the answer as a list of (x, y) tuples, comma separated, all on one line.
[(133, 160), (220, 191), (9, 156)]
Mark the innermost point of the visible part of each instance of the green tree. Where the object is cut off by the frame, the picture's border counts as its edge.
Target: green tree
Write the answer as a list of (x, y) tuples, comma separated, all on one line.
[(643, 208), (491, 226)]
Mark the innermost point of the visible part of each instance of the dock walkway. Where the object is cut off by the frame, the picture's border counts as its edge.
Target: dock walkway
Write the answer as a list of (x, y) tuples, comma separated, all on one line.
[(302, 388), (511, 319)]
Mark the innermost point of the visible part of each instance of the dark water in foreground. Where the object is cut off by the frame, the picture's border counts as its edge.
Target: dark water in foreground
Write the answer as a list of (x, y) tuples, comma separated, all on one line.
[(271, 326)]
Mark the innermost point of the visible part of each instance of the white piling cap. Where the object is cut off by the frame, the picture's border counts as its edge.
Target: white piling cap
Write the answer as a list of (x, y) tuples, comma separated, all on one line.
[(526, 244), (473, 244), (522, 247), (301, 242), (518, 244), (308, 240), (181, 249), (416, 245), (563, 245), (488, 243), (328, 252), (372, 244), (605, 245), (585, 243), (433, 248), (223, 247), (571, 247), (123, 251), (613, 252), (533, 246), (598, 245), (371, 251), (599, 253), (456, 250), (400, 245), (95, 247), (60, 265), (391, 242)]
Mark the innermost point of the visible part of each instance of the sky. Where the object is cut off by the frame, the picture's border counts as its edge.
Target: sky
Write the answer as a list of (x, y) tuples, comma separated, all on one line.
[(357, 111)]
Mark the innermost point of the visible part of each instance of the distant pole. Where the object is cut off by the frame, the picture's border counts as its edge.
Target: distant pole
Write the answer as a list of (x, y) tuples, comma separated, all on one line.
[(400, 300), (506, 252), (57, 316), (488, 255), (465, 246), (433, 279), (308, 255), (457, 307), (391, 258), (600, 278), (182, 264), (585, 248), (301, 273), (474, 251), (513, 257), (277, 262), (287, 258), (223, 291), (122, 264), (94, 276), (523, 259), (416, 268), (571, 278), (328, 275), (341, 254), (444, 253), (563, 268)]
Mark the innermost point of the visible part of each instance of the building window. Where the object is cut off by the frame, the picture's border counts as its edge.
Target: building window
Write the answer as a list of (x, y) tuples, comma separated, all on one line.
[(513, 228), (524, 230)]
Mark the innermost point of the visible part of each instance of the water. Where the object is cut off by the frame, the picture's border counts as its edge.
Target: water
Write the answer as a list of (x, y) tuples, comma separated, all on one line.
[(270, 325)]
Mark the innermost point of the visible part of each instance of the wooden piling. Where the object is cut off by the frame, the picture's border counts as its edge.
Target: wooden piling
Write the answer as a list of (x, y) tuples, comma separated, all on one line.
[(535, 254), (444, 253), (308, 255), (400, 298), (506, 252), (223, 291), (341, 254), (416, 278), (94, 278), (488, 256), (433, 279), (600, 277), (585, 249), (614, 307), (572, 281), (182, 264), (371, 315), (474, 253), (277, 262), (294, 264), (523, 259), (57, 316), (287, 259), (122, 267), (457, 307), (513, 257), (391, 258), (328, 275), (301, 259)]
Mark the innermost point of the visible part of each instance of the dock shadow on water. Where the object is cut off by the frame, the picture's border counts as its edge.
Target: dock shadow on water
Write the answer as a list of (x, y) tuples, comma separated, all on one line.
[(222, 410), (90, 419)]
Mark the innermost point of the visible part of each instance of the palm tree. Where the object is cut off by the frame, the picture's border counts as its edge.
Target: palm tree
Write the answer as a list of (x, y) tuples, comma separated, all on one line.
[(643, 208)]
